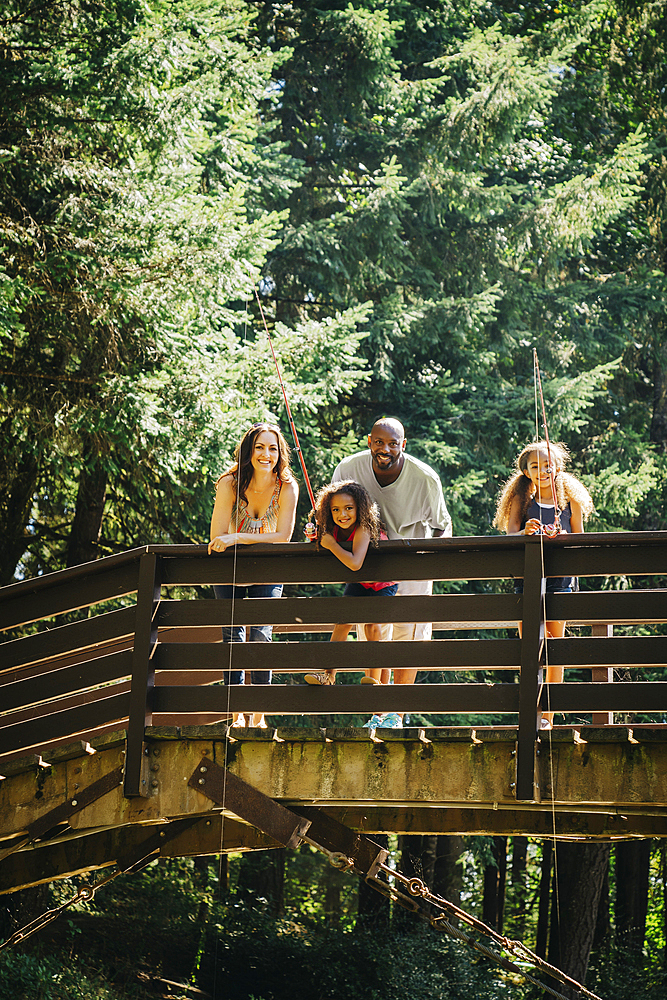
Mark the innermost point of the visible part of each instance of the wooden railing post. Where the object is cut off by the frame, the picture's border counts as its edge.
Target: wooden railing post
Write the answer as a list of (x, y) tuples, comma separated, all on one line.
[(603, 674), (143, 674), (532, 640)]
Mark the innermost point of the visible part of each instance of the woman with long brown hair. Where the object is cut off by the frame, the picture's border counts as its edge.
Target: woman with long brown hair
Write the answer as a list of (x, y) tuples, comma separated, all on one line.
[(255, 501)]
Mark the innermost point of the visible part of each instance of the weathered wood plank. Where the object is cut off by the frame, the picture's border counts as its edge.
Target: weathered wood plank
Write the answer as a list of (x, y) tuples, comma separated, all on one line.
[(288, 699), (454, 654), (65, 639), (19, 738), (55, 683), (308, 610), (78, 590)]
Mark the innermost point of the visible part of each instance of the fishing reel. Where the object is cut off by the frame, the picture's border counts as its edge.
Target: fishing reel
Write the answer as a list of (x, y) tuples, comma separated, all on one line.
[(310, 531), (550, 530)]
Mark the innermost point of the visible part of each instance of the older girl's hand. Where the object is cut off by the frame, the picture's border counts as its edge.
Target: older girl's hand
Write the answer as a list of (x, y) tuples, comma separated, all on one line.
[(532, 526), (221, 542)]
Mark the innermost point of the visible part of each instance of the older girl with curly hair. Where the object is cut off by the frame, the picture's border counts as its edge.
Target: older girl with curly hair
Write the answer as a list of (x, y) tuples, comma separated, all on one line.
[(527, 506)]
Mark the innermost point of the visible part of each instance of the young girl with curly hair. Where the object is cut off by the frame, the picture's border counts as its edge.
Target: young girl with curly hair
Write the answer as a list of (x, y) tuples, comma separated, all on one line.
[(526, 507), (348, 522)]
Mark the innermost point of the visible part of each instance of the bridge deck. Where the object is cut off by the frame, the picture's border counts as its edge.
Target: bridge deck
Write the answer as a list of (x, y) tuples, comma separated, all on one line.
[(608, 782)]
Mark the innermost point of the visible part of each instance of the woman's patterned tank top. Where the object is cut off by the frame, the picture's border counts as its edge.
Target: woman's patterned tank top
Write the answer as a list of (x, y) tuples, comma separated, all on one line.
[(242, 521)]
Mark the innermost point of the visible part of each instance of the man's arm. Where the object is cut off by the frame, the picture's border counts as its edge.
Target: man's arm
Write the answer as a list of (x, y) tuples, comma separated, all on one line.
[(439, 514)]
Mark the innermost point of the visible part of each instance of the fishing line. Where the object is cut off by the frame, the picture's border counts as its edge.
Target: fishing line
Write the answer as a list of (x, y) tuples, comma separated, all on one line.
[(297, 446), (557, 525), (228, 713)]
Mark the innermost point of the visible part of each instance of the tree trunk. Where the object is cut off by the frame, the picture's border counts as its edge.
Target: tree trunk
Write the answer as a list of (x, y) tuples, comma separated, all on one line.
[(87, 524), (417, 860), (519, 887), (373, 909), (543, 906), (262, 878), (658, 431), (632, 869), (17, 489), (602, 936), (580, 870), (447, 874), (333, 883), (494, 886)]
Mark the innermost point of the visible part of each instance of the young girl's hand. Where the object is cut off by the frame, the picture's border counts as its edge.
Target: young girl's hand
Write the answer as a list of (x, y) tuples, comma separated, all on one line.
[(532, 526), (327, 541)]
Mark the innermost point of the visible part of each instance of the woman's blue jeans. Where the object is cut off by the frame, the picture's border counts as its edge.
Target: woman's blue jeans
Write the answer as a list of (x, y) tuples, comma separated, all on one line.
[(257, 633)]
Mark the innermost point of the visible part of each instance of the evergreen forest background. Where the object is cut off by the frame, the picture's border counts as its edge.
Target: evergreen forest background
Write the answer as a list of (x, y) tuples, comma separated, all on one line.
[(420, 194)]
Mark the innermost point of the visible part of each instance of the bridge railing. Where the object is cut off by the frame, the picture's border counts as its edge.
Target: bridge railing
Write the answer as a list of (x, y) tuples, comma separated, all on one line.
[(159, 660)]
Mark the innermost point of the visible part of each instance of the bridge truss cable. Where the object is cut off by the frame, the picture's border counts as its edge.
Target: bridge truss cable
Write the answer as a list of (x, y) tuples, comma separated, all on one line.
[(421, 901)]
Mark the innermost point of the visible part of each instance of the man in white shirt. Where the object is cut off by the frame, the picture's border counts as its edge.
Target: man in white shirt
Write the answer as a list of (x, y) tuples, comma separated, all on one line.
[(409, 494)]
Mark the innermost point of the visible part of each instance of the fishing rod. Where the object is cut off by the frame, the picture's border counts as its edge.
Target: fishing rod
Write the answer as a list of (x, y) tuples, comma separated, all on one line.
[(297, 446), (538, 382)]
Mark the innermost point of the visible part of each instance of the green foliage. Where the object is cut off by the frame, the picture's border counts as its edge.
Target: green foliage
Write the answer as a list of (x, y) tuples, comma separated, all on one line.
[(30, 977)]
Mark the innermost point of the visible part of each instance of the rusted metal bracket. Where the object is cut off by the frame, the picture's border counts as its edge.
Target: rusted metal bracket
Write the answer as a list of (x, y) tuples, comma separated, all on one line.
[(262, 812), (63, 812), (347, 850)]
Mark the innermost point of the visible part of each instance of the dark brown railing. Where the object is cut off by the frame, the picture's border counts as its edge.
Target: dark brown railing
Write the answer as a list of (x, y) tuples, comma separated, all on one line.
[(159, 661)]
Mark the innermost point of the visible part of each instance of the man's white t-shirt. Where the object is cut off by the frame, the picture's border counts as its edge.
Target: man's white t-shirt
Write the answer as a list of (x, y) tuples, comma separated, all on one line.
[(412, 505)]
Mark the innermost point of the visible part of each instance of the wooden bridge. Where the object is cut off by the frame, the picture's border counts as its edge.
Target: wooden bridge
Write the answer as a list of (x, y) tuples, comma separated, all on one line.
[(113, 733)]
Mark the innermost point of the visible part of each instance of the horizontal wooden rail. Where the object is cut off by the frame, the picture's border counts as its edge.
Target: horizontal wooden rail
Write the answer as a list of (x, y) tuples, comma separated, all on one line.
[(309, 610), (75, 678), (98, 711), (288, 657), (79, 635), (68, 591), (55, 683)]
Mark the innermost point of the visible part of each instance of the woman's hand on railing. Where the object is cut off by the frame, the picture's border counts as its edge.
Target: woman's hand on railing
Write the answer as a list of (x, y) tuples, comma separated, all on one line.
[(222, 542)]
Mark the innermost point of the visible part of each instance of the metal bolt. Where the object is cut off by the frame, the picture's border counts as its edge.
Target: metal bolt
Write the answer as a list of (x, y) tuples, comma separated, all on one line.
[(202, 781), (154, 783), (203, 770), (512, 784), (156, 752), (155, 767), (74, 802), (76, 786), (162, 833), (208, 822)]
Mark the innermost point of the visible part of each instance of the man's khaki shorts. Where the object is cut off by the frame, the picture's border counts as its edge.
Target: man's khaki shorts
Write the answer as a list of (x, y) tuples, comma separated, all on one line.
[(405, 631)]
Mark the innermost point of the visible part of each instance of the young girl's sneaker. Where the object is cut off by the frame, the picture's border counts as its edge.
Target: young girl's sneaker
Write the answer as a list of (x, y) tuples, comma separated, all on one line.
[(320, 677), (374, 722), (392, 721)]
